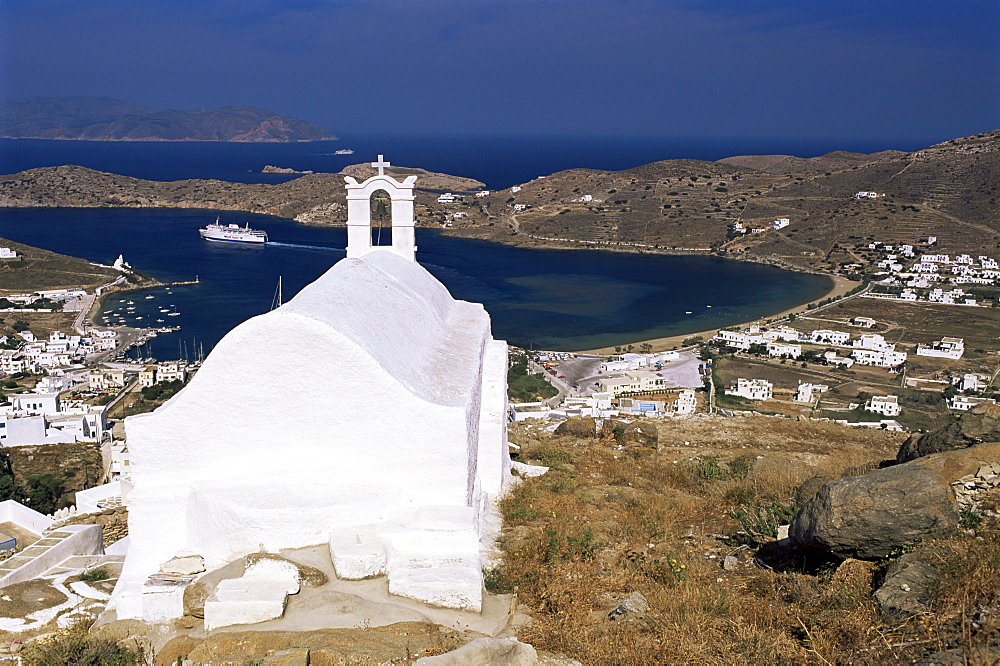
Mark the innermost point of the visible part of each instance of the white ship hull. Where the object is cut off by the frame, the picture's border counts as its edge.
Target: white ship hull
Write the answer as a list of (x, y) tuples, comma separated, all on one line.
[(232, 233)]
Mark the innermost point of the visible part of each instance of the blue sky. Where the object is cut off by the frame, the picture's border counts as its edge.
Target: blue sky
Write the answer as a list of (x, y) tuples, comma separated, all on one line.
[(910, 70)]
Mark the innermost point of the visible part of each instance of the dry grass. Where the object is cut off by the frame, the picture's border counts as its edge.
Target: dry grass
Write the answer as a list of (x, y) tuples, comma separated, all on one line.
[(607, 521)]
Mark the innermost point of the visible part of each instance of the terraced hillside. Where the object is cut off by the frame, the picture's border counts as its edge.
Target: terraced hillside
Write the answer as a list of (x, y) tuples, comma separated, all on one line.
[(947, 190), (682, 204)]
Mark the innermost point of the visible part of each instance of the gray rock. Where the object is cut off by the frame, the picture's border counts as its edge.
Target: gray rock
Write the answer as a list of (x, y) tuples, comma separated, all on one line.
[(809, 488), (730, 563), (642, 434), (871, 516), (979, 425), (635, 603), (578, 426), (908, 586), (485, 652)]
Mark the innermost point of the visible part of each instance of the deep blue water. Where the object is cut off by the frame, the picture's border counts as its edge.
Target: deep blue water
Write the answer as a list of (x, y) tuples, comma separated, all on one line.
[(497, 161), (564, 299), (556, 299)]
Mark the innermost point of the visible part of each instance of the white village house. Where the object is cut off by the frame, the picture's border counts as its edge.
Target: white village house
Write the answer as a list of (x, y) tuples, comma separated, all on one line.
[(944, 348), (752, 389), (883, 404)]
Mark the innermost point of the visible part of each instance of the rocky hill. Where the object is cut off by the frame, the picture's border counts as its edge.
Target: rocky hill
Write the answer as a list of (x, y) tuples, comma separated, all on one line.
[(317, 198), (789, 164), (948, 190), (105, 119)]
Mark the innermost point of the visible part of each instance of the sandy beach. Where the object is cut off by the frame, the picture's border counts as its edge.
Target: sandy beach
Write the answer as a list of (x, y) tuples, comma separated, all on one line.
[(840, 287)]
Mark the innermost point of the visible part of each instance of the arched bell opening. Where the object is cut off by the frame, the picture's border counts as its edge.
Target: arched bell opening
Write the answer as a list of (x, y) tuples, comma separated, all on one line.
[(380, 207)]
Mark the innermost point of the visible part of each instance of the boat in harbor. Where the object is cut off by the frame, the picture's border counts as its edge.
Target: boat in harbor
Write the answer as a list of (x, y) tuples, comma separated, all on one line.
[(233, 233)]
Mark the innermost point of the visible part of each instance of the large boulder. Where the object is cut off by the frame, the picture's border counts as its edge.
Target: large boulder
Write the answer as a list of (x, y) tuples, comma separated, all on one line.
[(583, 427), (871, 516), (980, 425)]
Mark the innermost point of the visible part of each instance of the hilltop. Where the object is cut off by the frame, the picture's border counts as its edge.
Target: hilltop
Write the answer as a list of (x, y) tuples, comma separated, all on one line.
[(947, 190), (106, 119), (789, 164), (317, 198), (36, 269)]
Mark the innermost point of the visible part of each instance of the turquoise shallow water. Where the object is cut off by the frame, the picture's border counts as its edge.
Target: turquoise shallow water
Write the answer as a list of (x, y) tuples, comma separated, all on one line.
[(555, 299)]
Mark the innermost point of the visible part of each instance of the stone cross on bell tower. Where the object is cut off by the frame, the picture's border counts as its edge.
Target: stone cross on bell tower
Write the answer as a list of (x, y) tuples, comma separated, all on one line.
[(359, 216), (380, 165)]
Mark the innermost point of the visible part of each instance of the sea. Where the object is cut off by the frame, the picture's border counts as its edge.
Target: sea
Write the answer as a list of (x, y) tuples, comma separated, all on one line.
[(566, 300)]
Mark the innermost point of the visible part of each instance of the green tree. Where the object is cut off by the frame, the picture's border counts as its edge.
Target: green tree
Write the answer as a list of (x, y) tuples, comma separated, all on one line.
[(44, 493), (8, 488), (20, 325)]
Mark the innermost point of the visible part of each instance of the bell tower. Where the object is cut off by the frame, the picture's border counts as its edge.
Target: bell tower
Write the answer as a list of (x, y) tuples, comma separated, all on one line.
[(359, 215)]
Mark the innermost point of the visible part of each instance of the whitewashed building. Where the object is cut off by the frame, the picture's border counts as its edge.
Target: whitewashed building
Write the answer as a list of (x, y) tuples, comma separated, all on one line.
[(410, 500), (881, 358), (738, 339), (969, 382), (828, 337), (784, 349), (883, 404), (873, 341), (807, 392), (635, 381), (752, 389), (963, 403), (944, 348), (170, 371)]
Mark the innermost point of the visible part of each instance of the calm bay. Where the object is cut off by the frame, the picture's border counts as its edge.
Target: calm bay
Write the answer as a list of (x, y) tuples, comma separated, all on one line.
[(555, 299)]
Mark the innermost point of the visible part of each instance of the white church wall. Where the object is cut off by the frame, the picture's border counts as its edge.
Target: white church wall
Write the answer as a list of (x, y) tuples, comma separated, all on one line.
[(222, 471)]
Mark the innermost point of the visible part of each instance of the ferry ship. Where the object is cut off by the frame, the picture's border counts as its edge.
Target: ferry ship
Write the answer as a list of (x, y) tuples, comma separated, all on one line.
[(343, 151), (232, 233)]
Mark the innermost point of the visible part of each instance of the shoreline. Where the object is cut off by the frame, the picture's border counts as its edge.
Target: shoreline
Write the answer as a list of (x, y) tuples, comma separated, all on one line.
[(153, 283), (839, 289)]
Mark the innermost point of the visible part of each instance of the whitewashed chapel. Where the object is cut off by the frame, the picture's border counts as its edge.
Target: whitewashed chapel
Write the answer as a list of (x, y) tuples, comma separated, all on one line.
[(388, 443)]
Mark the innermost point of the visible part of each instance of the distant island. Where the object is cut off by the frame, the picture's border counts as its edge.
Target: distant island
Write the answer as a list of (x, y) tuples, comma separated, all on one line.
[(275, 169), (106, 119)]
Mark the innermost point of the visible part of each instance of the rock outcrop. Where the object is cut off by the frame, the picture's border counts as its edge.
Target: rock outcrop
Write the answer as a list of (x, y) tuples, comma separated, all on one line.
[(875, 514), (578, 426), (636, 433), (980, 425), (908, 586), (871, 516)]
